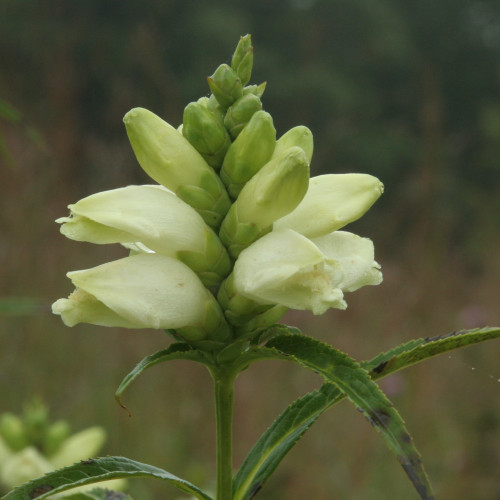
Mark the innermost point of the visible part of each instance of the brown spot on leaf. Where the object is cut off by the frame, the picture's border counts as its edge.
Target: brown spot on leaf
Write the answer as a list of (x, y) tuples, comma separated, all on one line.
[(381, 417), (440, 337), (40, 490), (255, 489), (380, 367)]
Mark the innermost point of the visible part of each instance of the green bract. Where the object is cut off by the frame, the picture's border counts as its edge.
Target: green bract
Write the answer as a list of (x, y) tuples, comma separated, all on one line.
[(214, 256)]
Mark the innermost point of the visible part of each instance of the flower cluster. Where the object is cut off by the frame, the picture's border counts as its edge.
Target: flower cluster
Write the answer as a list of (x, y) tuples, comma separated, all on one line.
[(31, 446), (234, 233)]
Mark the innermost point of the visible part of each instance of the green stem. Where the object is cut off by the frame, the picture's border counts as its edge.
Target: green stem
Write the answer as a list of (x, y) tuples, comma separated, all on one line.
[(224, 397)]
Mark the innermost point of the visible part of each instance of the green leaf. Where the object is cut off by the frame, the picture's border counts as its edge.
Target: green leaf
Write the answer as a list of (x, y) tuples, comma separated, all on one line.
[(355, 382), (294, 422), (179, 350), (93, 471), (418, 350), (99, 494), (277, 441)]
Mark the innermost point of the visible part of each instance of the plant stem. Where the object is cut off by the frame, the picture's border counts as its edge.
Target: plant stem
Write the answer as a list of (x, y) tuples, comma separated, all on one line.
[(224, 398)]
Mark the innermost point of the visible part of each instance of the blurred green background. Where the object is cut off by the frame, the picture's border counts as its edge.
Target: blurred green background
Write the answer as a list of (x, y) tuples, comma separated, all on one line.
[(405, 90)]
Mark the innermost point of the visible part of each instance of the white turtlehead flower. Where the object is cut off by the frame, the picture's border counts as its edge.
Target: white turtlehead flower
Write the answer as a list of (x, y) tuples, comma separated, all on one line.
[(23, 466), (82, 445), (140, 291), (332, 201), (288, 269), (149, 218), (149, 214), (355, 255)]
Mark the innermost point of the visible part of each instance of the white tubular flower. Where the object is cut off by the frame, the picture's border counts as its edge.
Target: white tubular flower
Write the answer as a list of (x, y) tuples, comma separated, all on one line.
[(288, 269), (82, 445), (141, 291), (23, 466), (356, 257), (157, 218), (331, 202)]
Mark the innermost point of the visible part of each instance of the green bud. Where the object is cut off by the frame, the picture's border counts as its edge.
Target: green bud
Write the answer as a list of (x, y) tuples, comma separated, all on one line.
[(270, 194), (212, 104), (257, 90), (226, 85), (249, 152), (212, 265), (36, 419), (237, 308), (298, 136), (214, 330), (13, 431), (242, 60), (169, 158), (261, 321), (240, 113), (54, 437), (206, 133)]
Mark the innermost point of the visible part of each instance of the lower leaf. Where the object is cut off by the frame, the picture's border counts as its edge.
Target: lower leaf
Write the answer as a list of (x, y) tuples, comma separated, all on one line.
[(96, 470), (344, 372), (294, 422)]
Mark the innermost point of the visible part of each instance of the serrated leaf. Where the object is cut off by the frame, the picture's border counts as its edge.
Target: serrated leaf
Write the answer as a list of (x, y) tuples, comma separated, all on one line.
[(93, 471), (294, 422), (278, 439), (418, 350), (345, 373), (99, 494), (178, 350)]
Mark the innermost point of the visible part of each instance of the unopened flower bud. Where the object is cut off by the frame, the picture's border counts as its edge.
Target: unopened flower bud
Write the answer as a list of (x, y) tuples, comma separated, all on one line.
[(206, 132), (168, 157), (13, 431), (240, 113), (249, 152), (298, 136), (242, 60), (56, 434), (225, 85), (257, 90), (275, 190)]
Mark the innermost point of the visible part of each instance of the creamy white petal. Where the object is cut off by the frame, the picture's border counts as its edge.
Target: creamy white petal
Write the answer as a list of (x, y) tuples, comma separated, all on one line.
[(80, 446), (331, 202), (149, 214), (23, 466), (141, 291), (356, 257), (286, 268)]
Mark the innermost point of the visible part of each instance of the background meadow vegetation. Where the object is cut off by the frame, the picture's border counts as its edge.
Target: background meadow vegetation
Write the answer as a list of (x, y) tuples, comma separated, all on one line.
[(407, 91)]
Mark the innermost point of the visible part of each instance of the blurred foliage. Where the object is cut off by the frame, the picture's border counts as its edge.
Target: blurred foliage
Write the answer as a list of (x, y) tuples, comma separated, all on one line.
[(404, 90)]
